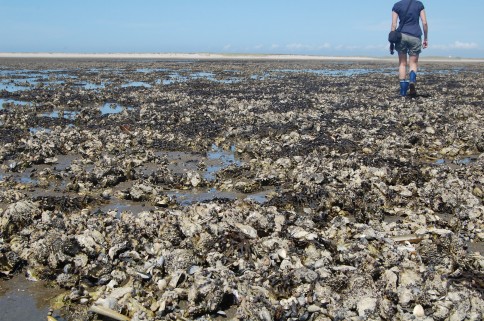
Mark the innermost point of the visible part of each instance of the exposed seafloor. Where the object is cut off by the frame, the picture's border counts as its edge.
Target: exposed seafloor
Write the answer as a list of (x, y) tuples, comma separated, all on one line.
[(240, 190)]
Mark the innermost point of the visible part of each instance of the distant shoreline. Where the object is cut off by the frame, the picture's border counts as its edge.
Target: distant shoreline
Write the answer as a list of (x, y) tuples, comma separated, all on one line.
[(216, 56)]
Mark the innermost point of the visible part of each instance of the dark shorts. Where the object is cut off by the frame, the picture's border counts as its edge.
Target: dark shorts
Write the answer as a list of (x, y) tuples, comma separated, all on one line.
[(409, 45)]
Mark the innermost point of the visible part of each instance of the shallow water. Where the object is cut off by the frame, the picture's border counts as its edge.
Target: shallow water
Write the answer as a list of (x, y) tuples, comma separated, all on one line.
[(12, 87), (193, 196), (66, 114), (12, 101), (457, 161), (113, 108), (120, 206), (136, 84), (35, 130), (21, 299), (218, 159), (90, 85), (339, 72)]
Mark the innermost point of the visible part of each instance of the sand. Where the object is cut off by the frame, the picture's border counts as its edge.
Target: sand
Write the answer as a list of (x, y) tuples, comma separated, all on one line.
[(216, 56)]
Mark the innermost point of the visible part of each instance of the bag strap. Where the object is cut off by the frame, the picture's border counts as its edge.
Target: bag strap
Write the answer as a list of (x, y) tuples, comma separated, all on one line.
[(402, 21)]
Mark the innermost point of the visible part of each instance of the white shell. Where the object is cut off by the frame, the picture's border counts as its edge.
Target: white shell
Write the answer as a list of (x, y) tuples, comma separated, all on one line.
[(418, 311)]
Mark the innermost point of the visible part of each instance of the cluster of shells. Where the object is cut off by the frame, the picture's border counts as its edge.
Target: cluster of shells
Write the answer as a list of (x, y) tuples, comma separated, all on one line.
[(373, 205)]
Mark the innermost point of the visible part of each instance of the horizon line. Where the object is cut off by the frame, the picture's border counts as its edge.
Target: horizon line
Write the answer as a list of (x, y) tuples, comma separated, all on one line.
[(216, 56)]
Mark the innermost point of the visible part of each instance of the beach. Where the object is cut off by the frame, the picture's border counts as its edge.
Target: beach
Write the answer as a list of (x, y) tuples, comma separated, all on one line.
[(218, 56), (242, 187)]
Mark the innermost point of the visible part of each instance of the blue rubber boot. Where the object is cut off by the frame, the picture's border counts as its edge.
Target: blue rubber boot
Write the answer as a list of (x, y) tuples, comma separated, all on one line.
[(413, 83), (403, 87)]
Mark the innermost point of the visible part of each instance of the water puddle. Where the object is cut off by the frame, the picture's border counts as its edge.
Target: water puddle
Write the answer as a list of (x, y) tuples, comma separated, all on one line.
[(184, 76), (8, 101), (457, 161), (189, 197), (165, 81), (150, 70), (338, 72), (64, 161), (218, 159), (22, 178), (66, 114), (214, 160), (120, 206), (136, 84), (21, 299), (262, 196), (35, 130), (12, 87), (90, 85), (113, 108)]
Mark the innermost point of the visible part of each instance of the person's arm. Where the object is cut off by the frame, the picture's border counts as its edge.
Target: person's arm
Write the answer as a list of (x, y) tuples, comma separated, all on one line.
[(425, 26), (394, 21)]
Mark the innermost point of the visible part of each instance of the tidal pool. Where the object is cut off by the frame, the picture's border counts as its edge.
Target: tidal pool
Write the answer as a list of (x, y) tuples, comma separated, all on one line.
[(458, 161), (113, 108), (136, 84), (21, 299), (219, 158), (12, 101), (193, 196), (66, 114)]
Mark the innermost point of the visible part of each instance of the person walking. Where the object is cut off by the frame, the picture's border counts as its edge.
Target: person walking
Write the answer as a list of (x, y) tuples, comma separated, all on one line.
[(410, 13)]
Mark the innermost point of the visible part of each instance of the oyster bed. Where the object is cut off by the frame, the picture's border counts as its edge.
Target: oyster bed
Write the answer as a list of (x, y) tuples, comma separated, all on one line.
[(263, 190)]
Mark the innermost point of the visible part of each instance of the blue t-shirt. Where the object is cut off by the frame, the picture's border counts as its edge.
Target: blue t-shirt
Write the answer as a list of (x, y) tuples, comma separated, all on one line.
[(412, 19)]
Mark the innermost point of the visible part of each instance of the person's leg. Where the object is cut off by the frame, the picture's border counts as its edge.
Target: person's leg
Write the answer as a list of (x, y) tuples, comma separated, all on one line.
[(413, 62), (402, 68), (402, 72)]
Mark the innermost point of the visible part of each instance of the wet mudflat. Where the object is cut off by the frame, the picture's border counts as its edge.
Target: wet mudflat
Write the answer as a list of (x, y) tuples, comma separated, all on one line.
[(264, 190)]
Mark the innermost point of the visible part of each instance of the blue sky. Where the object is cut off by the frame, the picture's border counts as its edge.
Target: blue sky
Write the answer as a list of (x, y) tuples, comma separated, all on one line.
[(312, 27)]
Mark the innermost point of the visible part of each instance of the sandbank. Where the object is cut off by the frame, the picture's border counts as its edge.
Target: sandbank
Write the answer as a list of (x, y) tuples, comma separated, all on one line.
[(215, 56)]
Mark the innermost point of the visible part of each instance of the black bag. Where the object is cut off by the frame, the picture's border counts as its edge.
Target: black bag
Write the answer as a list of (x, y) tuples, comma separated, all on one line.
[(394, 36)]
